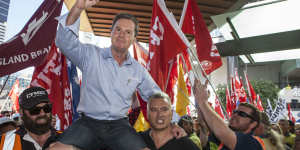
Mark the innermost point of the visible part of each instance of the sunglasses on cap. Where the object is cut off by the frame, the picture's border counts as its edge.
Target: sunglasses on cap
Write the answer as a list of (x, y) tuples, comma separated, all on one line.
[(37, 110), (243, 114)]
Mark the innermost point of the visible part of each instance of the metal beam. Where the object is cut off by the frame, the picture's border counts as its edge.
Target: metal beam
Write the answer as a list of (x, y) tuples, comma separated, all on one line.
[(259, 44)]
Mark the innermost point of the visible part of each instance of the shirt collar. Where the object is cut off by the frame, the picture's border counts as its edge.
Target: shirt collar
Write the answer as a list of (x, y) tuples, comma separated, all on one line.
[(107, 54)]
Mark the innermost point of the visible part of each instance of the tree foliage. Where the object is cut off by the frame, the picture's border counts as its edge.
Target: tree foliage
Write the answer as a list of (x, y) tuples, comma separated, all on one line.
[(265, 89)]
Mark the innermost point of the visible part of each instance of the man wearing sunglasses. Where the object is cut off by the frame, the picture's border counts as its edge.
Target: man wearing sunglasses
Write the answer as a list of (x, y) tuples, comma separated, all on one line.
[(238, 134), (36, 132)]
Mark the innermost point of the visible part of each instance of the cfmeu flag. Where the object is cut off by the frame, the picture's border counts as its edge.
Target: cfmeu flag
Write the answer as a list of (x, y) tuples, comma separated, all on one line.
[(165, 42), (53, 76), (33, 43), (14, 95), (192, 22)]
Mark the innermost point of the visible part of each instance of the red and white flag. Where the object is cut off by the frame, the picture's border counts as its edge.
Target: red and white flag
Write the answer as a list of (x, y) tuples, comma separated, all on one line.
[(53, 76), (192, 22), (228, 102), (259, 104), (233, 95), (251, 92), (239, 89), (291, 117), (14, 95), (165, 42), (141, 55)]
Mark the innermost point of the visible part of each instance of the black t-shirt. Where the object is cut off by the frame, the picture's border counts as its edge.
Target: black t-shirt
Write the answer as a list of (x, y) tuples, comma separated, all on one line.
[(183, 143), (244, 142)]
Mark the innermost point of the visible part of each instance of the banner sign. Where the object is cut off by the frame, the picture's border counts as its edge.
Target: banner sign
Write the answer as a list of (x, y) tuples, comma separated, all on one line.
[(30, 46)]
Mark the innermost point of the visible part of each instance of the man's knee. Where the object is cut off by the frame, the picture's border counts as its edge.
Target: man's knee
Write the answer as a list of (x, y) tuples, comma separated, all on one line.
[(61, 146)]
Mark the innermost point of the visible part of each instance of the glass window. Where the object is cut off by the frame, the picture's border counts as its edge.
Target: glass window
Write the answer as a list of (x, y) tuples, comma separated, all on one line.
[(3, 18), (4, 12), (4, 5)]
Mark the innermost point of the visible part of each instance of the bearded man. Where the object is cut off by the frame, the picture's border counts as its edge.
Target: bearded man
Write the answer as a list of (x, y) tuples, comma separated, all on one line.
[(36, 132)]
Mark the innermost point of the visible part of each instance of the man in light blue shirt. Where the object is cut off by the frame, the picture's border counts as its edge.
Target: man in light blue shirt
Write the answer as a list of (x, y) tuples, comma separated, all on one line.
[(110, 76)]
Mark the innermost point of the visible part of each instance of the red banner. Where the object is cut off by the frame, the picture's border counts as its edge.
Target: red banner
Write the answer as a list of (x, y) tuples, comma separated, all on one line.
[(32, 44), (53, 76)]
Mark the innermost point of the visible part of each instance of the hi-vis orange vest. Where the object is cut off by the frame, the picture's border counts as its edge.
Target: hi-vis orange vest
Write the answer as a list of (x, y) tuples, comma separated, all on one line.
[(10, 141), (260, 141)]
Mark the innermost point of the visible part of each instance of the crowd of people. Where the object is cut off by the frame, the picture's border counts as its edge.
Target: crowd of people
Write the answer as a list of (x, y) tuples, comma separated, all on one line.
[(110, 79)]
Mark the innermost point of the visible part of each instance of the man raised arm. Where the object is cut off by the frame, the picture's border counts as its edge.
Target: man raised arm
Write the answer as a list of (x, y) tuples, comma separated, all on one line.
[(236, 136)]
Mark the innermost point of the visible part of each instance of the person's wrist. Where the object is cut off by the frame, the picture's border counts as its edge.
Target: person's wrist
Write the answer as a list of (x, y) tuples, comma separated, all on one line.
[(79, 8), (202, 104)]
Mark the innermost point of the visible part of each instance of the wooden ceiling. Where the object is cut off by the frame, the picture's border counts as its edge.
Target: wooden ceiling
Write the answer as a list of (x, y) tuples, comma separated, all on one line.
[(102, 14)]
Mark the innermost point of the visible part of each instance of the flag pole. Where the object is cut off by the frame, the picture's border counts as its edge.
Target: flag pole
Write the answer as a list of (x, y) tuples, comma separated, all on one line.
[(195, 58), (169, 72), (4, 84)]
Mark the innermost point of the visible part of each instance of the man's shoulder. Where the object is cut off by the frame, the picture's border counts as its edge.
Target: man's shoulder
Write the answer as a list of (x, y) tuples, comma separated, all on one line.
[(144, 134), (248, 142), (184, 142)]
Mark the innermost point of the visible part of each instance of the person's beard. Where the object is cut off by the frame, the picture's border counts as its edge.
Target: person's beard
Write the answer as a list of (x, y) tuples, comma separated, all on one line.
[(36, 128)]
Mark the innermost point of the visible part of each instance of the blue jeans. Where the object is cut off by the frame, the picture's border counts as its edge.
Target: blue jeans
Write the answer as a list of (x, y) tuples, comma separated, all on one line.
[(92, 134)]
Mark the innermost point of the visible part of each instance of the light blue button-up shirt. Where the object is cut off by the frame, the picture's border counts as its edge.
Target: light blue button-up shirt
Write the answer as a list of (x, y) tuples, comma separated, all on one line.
[(107, 87)]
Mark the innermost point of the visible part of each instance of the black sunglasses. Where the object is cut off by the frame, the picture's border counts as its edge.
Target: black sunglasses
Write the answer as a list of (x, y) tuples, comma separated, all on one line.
[(37, 110), (243, 114)]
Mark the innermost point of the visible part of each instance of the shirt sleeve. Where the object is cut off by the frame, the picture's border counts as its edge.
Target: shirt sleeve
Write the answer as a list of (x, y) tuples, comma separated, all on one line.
[(247, 142), (68, 42), (148, 86)]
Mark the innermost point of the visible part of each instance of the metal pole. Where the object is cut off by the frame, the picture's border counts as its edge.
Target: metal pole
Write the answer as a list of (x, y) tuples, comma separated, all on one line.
[(236, 37), (4, 84)]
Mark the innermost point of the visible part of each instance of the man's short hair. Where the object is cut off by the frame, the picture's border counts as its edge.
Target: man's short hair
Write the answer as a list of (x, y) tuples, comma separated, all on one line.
[(129, 17), (159, 95), (264, 118), (255, 113)]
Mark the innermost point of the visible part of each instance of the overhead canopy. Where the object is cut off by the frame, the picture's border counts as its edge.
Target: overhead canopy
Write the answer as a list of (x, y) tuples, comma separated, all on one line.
[(265, 26), (101, 15)]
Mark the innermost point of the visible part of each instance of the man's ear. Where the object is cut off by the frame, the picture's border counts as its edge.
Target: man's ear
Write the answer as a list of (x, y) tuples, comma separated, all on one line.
[(253, 125)]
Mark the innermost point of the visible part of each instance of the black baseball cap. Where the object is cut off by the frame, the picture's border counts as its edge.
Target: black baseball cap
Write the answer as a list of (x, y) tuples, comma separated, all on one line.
[(33, 96), (186, 118)]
